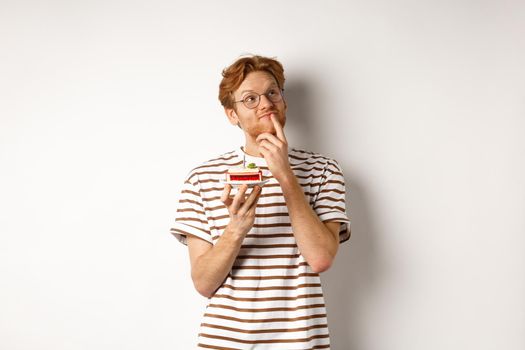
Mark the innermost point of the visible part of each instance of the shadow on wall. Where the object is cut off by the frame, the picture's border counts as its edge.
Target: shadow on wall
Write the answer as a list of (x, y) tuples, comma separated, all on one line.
[(300, 115), (350, 281)]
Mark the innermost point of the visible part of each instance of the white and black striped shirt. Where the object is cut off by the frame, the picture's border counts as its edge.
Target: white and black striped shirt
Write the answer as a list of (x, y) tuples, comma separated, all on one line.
[(271, 299)]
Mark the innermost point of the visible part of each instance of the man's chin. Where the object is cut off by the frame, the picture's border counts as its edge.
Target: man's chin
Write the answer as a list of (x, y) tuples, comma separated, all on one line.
[(270, 130)]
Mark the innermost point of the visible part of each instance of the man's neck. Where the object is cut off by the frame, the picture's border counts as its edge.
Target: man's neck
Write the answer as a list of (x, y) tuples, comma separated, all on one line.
[(251, 148)]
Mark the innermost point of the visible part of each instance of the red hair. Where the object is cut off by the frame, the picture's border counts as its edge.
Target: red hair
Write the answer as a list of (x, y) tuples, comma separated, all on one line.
[(234, 75)]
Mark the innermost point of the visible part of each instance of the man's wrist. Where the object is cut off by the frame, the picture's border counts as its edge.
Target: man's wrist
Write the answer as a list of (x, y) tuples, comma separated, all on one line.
[(288, 180), (233, 235)]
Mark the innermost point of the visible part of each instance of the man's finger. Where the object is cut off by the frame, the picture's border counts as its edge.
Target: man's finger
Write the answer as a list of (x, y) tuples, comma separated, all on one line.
[(270, 138), (278, 128), (268, 145), (265, 152), (252, 198), (238, 199), (226, 192)]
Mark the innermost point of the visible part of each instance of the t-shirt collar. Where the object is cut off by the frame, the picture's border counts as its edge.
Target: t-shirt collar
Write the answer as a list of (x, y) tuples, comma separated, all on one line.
[(247, 159)]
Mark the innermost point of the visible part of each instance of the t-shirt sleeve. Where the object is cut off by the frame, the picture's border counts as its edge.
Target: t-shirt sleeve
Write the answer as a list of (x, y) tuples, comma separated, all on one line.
[(329, 203), (190, 218)]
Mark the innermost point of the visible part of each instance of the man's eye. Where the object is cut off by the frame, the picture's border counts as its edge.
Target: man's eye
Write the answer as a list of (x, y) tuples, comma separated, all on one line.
[(272, 92), (250, 98)]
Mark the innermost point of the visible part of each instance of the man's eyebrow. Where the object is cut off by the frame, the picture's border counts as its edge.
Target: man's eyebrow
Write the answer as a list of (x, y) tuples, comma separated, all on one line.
[(270, 86)]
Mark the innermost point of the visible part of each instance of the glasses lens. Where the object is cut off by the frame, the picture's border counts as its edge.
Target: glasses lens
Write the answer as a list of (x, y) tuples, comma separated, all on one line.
[(251, 100), (274, 95)]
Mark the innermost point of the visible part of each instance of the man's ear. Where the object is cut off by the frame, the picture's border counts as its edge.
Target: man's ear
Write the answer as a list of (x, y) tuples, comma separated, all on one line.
[(232, 116)]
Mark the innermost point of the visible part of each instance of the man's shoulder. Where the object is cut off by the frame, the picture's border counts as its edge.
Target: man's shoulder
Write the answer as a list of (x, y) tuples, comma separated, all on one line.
[(221, 159), (299, 156), (217, 164)]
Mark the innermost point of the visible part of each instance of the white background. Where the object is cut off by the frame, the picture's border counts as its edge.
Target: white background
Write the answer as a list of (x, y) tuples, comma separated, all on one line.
[(106, 105)]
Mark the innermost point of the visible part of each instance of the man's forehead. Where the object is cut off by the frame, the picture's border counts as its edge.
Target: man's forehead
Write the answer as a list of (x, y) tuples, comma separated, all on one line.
[(257, 80)]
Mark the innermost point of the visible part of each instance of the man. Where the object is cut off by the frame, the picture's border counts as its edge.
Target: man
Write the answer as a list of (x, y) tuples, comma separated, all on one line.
[(257, 254)]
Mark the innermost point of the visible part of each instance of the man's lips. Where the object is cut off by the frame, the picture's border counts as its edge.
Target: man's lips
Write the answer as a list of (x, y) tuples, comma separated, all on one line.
[(266, 115)]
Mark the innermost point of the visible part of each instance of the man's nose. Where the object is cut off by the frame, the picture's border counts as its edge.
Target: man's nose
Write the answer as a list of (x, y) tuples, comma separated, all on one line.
[(265, 101)]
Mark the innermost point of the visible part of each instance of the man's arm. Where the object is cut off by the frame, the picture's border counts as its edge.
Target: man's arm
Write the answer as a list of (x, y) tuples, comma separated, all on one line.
[(210, 264), (318, 242)]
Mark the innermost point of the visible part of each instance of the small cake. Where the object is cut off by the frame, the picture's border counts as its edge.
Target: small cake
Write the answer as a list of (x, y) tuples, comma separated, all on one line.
[(248, 174)]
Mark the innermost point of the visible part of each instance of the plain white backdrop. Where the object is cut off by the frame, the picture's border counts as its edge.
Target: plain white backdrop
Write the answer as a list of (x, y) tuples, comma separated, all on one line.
[(106, 105)]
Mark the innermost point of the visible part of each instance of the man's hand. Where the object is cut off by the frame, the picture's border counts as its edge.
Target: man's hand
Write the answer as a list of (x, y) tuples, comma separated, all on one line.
[(241, 209), (274, 149)]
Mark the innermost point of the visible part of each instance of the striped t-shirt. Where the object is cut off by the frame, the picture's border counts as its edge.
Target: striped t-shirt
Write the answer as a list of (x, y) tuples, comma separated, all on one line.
[(271, 298)]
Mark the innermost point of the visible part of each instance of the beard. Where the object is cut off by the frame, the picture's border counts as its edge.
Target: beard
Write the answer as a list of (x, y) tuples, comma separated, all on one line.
[(261, 127)]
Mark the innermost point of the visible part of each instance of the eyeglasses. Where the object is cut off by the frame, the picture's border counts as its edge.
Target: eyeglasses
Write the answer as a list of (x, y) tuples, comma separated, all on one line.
[(253, 99)]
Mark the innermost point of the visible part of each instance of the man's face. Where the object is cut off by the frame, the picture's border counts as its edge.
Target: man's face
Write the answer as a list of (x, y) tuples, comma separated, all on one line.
[(257, 120)]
